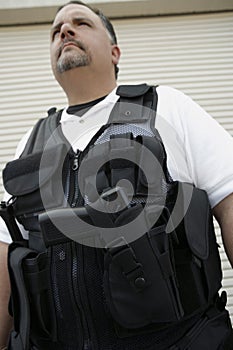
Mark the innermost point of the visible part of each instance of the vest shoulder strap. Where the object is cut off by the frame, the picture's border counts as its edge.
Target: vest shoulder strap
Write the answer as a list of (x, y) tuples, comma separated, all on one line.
[(41, 132), (132, 91), (137, 103)]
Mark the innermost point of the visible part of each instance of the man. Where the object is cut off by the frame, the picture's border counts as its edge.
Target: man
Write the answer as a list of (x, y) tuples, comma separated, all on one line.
[(84, 58)]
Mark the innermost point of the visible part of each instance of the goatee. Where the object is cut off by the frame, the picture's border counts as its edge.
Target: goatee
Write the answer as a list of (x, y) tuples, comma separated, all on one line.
[(72, 58)]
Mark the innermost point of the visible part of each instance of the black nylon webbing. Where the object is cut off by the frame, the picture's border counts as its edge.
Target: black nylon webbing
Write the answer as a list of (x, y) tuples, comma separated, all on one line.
[(40, 134), (137, 103)]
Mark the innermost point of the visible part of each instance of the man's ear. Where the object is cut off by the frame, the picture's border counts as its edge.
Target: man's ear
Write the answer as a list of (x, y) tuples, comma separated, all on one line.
[(116, 54)]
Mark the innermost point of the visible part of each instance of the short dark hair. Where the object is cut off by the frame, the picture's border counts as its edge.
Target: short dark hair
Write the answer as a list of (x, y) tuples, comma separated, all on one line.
[(105, 20)]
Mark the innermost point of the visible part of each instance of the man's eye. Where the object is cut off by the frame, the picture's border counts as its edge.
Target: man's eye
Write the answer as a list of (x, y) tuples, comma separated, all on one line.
[(83, 24)]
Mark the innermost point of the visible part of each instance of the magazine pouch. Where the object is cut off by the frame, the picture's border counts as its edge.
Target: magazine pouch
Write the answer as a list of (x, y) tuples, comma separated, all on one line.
[(32, 305)]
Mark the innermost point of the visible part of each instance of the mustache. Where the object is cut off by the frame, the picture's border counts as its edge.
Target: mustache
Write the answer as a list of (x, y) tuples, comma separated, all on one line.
[(78, 43)]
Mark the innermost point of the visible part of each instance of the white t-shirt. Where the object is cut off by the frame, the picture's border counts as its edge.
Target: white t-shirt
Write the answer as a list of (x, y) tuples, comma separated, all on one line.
[(199, 150)]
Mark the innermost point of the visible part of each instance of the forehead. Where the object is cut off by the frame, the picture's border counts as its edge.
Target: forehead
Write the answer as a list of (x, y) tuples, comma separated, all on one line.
[(74, 10)]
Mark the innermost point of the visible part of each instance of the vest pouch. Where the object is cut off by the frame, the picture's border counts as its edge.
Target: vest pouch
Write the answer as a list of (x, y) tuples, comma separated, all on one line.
[(36, 271), (202, 240), (20, 308), (36, 182), (139, 279), (31, 301), (198, 263)]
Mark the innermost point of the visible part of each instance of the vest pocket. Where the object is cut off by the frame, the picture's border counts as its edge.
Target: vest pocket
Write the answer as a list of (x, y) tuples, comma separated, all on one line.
[(33, 311), (140, 283), (37, 280), (204, 264), (36, 180), (197, 260)]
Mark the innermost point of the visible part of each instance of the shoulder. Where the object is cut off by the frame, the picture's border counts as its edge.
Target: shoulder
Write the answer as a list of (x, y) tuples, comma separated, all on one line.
[(168, 91), (169, 96), (178, 107), (173, 104)]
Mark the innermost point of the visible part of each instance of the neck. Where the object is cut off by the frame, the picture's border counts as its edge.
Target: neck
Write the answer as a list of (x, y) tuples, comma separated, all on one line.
[(82, 87)]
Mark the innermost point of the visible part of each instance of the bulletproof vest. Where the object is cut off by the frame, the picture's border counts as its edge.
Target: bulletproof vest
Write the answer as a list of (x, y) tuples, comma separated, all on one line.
[(129, 275)]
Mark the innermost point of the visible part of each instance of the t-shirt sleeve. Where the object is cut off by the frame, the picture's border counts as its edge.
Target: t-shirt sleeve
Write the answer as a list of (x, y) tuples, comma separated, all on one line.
[(209, 149)]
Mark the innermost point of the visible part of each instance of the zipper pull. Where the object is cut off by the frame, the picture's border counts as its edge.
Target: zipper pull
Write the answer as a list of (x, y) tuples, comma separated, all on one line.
[(75, 162)]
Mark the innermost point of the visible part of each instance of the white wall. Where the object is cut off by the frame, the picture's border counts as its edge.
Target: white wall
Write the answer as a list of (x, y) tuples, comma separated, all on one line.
[(34, 11)]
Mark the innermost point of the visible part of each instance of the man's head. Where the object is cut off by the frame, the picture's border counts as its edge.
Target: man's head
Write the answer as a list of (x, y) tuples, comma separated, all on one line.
[(106, 22), (82, 37)]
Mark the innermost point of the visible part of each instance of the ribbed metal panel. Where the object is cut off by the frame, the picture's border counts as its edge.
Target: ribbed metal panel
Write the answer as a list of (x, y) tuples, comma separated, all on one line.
[(193, 53)]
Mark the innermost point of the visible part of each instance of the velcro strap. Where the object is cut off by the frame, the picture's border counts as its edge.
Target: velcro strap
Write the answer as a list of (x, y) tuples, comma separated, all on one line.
[(130, 91), (125, 258)]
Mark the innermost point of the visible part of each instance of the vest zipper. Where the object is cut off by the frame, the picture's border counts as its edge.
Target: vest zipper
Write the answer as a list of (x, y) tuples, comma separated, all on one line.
[(79, 288), (75, 161), (72, 189), (75, 168)]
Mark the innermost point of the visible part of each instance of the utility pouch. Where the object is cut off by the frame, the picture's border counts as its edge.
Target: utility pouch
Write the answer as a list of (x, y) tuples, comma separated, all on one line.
[(20, 301), (32, 303), (197, 259), (36, 270), (160, 277), (36, 182), (139, 279)]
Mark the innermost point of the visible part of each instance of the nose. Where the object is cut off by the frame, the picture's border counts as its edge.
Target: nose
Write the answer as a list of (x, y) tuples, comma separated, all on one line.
[(67, 31)]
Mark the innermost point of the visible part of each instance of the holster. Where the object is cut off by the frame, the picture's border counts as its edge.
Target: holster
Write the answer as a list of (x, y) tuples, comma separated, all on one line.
[(149, 281)]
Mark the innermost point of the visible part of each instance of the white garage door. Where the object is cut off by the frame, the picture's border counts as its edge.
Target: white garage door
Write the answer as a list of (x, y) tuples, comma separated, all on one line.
[(193, 53)]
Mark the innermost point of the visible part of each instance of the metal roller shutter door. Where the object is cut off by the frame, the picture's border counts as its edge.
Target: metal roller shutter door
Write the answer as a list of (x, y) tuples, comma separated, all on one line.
[(193, 53)]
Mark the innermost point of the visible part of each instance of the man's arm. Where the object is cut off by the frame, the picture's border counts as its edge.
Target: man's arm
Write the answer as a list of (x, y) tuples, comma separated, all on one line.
[(5, 319), (224, 215)]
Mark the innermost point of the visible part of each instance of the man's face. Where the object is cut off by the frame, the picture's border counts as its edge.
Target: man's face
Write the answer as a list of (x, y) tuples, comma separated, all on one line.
[(79, 39)]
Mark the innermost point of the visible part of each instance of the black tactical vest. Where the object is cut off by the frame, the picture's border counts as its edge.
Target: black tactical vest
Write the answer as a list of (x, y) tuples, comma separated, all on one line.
[(108, 287)]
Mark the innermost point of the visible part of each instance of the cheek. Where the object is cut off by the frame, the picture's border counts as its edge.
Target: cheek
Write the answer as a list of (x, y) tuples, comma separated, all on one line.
[(101, 43), (52, 54), (103, 50), (52, 60)]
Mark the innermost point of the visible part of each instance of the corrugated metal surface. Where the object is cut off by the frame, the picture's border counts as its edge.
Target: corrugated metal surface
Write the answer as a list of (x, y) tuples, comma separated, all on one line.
[(192, 53)]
